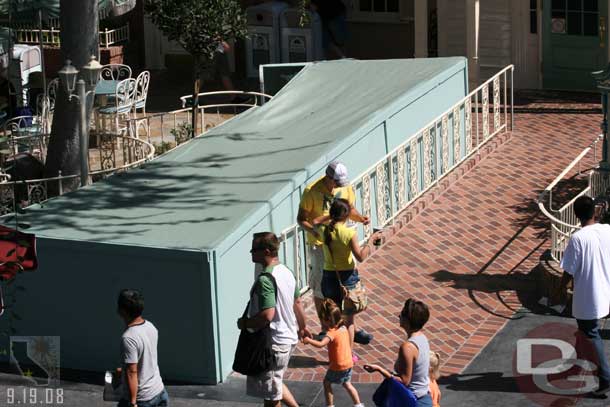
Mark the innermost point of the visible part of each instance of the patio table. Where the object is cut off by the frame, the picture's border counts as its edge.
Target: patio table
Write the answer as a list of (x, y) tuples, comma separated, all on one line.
[(105, 88)]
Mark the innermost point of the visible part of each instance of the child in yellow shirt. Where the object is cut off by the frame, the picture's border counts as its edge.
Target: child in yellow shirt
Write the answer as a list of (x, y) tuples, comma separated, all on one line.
[(435, 391)]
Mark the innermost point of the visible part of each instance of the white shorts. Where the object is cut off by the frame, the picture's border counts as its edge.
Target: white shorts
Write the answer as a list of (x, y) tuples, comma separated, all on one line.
[(316, 267), (268, 385)]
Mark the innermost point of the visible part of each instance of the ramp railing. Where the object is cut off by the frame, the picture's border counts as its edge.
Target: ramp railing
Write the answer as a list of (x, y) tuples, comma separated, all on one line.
[(167, 130), (563, 221), (419, 163)]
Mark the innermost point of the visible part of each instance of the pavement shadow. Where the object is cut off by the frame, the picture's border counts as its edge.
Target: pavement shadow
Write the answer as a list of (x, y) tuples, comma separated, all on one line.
[(483, 382), (525, 286), (305, 362)]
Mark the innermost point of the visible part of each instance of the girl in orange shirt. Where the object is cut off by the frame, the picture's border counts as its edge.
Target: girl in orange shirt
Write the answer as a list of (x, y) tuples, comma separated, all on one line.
[(339, 353), (435, 391)]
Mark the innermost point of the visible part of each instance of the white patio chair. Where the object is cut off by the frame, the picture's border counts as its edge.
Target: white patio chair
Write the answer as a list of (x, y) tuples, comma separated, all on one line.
[(142, 82), (122, 106), (46, 106), (24, 134), (115, 72)]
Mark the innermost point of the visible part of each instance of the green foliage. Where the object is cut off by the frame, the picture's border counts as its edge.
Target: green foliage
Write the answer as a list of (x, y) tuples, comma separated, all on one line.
[(163, 147), (198, 25), (182, 132)]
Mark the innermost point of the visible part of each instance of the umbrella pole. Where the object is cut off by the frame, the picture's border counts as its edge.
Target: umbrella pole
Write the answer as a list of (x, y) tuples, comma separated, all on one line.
[(44, 75)]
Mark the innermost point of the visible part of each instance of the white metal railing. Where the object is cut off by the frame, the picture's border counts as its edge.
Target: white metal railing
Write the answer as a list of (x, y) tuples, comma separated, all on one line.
[(114, 36), (115, 153), (389, 186), (563, 220), (169, 129), (51, 37)]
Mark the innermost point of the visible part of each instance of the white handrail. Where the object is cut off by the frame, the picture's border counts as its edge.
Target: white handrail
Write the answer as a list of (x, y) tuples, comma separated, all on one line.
[(136, 126), (563, 220), (225, 92)]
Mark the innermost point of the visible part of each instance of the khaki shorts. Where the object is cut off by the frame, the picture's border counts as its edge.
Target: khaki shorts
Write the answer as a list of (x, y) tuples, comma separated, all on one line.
[(316, 266), (269, 385)]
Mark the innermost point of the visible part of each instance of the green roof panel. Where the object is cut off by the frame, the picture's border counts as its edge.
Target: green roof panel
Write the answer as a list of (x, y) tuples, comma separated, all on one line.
[(208, 190)]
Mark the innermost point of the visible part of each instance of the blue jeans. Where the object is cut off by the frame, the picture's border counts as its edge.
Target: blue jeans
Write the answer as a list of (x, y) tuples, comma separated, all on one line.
[(424, 401), (590, 327), (160, 400), (330, 285)]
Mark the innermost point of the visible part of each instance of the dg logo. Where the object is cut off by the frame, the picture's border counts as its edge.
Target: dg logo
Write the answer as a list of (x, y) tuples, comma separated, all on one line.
[(555, 365)]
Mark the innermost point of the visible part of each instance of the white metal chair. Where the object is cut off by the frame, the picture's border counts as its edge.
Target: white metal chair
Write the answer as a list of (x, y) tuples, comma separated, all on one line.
[(46, 106), (115, 72), (24, 134), (142, 82), (122, 106)]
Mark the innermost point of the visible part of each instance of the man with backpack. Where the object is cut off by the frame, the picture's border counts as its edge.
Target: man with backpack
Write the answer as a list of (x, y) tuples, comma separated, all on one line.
[(274, 301)]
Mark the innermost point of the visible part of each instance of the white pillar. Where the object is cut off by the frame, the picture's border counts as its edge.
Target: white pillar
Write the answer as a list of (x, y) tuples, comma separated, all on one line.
[(421, 28), (472, 40)]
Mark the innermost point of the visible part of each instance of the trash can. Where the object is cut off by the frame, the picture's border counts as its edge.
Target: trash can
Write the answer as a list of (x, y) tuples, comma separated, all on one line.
[(26, 60), (263, 42), (301, 43)]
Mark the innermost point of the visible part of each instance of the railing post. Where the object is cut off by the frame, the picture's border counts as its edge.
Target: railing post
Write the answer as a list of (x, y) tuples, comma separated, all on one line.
[(61, 188)]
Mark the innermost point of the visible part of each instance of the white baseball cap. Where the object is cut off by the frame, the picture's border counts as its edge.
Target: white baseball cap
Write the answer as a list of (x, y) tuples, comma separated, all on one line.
[(337, 171)]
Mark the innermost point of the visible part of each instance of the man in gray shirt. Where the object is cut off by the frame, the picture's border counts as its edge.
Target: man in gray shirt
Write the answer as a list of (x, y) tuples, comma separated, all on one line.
[(142, 382)]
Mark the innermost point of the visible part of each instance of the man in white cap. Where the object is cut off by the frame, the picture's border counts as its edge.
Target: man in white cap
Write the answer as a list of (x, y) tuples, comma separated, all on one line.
[(315, 202)]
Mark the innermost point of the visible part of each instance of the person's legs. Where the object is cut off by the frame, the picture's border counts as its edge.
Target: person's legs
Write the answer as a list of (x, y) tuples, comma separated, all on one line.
[(351, 328), (591, 330), (160, 400), (288, 398), (337, 32), (316, 265), (328, 393), (353, 393)]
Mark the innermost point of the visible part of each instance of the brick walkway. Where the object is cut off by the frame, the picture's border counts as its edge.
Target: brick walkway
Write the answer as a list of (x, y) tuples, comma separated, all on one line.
[(469, 252)]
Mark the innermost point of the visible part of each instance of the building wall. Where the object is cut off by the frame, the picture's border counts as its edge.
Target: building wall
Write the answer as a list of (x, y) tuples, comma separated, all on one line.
[(495, 37), (451, 28), (370, 40)]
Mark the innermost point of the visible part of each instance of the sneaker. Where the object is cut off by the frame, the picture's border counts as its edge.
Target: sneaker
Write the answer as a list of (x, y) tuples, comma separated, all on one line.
[(320, 336), (363, 337), (355, 358), (603, 388)]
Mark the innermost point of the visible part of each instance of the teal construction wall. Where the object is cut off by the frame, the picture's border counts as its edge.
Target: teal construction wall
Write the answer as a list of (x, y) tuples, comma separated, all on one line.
[(176, 289), (235, 271)]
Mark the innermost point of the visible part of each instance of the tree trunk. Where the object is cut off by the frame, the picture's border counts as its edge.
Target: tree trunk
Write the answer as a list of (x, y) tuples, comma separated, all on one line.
[(196, 88), (79, 41)]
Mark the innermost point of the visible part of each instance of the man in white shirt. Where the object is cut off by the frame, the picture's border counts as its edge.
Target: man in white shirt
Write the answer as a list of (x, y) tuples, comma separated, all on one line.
[(274, 301), (586, 259)]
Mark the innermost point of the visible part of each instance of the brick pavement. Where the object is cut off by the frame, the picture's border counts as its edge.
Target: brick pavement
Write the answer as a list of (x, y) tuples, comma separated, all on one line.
[(469, 247)]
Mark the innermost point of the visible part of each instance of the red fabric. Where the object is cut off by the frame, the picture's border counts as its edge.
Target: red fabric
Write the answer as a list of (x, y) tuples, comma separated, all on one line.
[(16, 247)]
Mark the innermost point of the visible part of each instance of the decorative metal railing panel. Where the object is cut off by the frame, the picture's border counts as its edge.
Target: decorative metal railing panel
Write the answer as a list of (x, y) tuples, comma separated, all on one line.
[(169, 129), (51, 37), (563, 220), (115, 153), (389, 186)]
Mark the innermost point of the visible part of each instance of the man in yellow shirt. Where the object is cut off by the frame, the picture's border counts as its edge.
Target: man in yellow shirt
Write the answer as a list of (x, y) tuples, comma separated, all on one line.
[(315, 202)]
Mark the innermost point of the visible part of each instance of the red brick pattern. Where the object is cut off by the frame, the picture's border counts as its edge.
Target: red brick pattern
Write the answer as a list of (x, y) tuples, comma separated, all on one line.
[(465, 248)]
